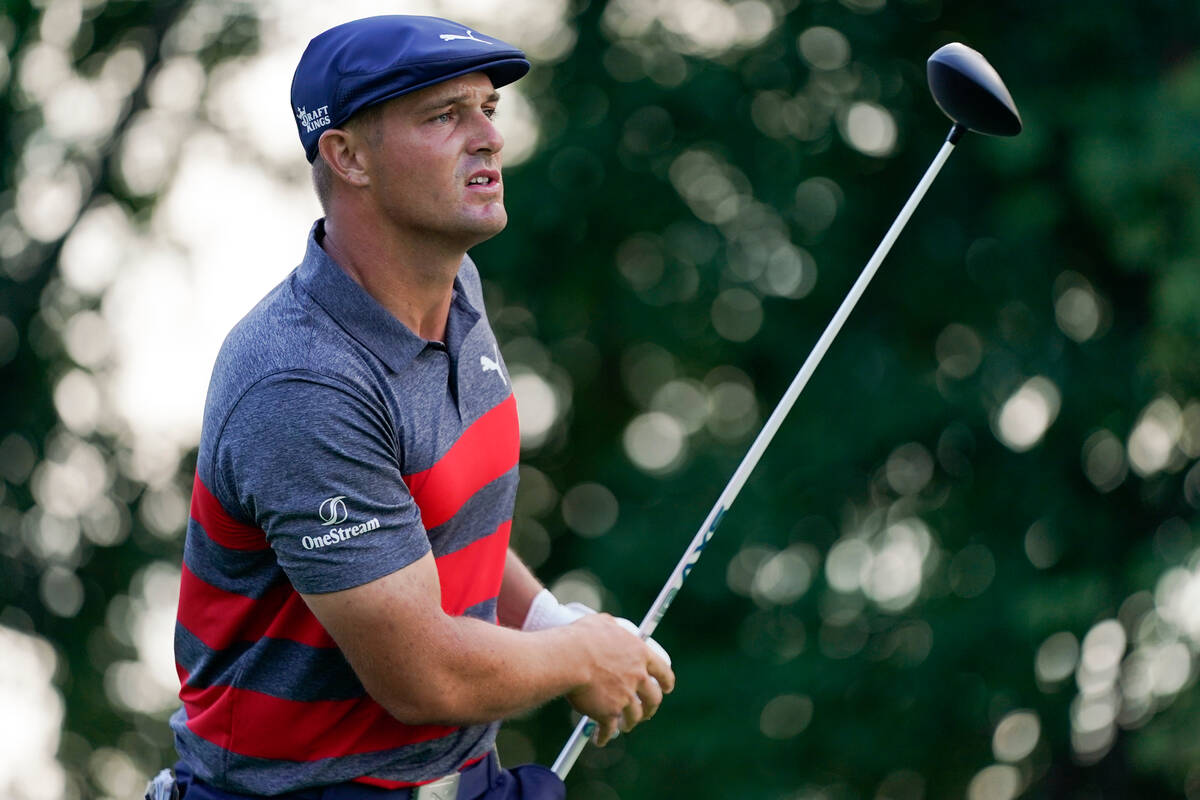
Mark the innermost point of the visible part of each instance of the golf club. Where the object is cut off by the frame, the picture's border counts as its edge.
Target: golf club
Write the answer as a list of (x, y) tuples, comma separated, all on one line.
[(971, 93)]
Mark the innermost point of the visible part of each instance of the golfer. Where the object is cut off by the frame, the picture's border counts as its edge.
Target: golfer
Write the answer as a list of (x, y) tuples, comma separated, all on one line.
[(352, 624)]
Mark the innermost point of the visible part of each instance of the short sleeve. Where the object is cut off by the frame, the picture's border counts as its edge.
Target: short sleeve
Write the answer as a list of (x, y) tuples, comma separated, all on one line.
[(314, 464)]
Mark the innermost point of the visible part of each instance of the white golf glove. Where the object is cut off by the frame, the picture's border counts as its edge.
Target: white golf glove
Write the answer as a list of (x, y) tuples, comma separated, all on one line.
[(546, 612)]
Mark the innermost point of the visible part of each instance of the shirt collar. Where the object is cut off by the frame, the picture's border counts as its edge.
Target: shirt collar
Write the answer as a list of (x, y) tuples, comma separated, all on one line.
[(362, 316)]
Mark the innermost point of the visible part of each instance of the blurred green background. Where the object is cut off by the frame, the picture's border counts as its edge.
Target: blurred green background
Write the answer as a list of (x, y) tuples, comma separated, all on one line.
[(968, 566)]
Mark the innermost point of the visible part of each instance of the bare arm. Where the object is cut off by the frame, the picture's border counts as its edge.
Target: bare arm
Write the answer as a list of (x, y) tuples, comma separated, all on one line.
[(424, 666)]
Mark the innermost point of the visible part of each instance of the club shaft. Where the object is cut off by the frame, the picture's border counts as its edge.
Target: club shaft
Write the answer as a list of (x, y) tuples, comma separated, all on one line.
[(579, 737)]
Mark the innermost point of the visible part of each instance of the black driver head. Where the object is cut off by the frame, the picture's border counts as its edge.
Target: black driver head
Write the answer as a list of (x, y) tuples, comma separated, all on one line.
[(969, 90)]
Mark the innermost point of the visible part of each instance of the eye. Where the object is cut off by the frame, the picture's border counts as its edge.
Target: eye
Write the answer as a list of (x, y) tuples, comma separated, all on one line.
[(444, 117), (491, 113)]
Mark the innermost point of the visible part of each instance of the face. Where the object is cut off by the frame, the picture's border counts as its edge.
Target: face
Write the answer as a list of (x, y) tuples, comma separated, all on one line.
[(434, 163)]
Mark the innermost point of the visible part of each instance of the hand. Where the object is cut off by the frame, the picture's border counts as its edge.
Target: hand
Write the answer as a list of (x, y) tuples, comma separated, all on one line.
[(628, 625), (546, 612), (628, 679)]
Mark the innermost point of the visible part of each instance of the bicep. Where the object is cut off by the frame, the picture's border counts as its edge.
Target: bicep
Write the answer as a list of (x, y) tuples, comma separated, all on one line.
[(392, 631)]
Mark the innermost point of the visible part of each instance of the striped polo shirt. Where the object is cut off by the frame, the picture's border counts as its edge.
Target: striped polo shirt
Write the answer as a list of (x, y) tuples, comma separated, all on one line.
[(337, 447)]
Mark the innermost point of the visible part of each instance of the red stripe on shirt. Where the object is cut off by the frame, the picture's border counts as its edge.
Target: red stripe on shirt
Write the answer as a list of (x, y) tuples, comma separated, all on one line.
[(486, 450), (295, 622), (219, 525), (290, 730), (219, 618), (473, 574)]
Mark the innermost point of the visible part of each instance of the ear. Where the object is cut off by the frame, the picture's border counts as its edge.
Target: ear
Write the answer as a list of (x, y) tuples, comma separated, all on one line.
[(347, 156)]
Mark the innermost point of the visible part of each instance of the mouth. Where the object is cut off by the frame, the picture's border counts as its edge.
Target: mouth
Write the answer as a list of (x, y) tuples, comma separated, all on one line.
[(484, 179)]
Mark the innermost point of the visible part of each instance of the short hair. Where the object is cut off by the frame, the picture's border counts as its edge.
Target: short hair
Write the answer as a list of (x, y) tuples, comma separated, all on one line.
[(368, 123)]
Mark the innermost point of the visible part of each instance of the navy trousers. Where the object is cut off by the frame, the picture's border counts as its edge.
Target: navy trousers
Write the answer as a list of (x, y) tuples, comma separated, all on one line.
[(482, 781)]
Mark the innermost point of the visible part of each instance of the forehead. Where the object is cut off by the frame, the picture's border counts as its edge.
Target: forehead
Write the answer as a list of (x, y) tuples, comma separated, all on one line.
[(476, 86)]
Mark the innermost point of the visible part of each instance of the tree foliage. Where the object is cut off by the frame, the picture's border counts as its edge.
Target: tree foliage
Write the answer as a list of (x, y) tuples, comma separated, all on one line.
[(74, 541), (1041, 281), (968, 564)]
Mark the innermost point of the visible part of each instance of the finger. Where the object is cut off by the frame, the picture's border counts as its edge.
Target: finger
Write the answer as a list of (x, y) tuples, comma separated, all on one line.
[(606, 729), (661, 671), (632, 714), (650, 693), (659, 650), (628, 625)]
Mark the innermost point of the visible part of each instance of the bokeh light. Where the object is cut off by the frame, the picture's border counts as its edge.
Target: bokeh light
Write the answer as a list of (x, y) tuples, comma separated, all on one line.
[(28, 768), (817, 203), (1078, 309), (698, 27), (785, 716), (959, 350), (655, 442), (733, 404), (887, 566), (579, 586), (1153, 439), (1027, 414), (996, 782), (1016, 735), (781, 578), (824, 48), (685, 400), (1104, 461), (1043, 546), (870, 129), (537, 407), (145, 288), (737, 314), (589, 509), (909, 468), (972, 570)]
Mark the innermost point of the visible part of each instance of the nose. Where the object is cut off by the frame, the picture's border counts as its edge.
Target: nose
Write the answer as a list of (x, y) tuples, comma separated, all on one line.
[(486, 138)]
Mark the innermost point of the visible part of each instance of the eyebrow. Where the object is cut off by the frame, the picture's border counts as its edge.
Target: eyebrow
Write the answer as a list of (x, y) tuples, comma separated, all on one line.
[(454, 100)]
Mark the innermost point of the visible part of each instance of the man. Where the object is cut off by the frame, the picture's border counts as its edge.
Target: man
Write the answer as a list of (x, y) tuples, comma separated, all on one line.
[(346, 561)]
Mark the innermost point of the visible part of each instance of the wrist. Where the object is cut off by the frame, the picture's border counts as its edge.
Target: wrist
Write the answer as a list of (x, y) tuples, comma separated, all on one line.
[(546, 612), (570, 650)]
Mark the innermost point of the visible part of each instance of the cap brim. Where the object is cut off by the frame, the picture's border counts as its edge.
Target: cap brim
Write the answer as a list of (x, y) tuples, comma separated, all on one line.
[(501, 71)]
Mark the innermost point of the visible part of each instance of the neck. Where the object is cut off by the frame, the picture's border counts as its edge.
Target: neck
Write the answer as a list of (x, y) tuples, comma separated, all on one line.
[(413, 280)]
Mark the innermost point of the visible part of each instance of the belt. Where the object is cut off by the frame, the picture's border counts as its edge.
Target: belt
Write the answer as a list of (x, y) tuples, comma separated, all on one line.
[(466, 785), (442, 789), (469, 783)]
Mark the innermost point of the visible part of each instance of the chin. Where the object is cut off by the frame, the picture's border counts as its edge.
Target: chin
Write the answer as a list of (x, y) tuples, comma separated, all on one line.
[(489, 226)]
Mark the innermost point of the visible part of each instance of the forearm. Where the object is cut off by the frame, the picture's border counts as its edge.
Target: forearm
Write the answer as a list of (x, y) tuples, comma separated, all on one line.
[(424, 666), (517, 590), (482, 672), (493, 672)]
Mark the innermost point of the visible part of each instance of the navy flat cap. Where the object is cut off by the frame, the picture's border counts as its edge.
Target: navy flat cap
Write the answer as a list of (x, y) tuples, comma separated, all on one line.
[(364, 62)]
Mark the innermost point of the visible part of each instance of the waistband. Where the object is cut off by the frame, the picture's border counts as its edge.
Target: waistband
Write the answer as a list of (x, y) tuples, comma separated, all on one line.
[(474, 781)]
